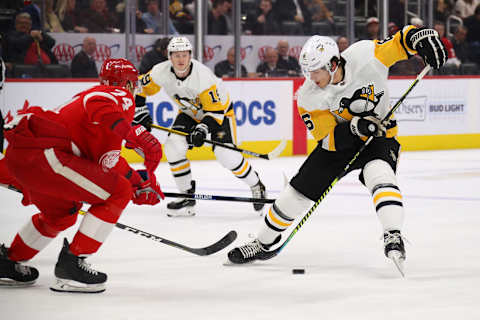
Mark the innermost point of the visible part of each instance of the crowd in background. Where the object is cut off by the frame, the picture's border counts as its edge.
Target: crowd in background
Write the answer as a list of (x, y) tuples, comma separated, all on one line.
[(25, 26)]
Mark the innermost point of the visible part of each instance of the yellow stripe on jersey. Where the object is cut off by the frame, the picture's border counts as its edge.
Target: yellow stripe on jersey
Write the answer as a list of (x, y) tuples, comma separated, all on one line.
[(393, 49), (149, 88), (320, 123), (211, 101)]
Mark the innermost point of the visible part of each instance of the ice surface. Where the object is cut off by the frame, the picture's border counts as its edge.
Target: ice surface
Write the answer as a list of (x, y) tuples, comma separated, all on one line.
[(347, 275)]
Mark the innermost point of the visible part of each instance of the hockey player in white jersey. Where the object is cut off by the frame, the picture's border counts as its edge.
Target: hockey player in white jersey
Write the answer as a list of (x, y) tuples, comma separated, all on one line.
[(204, 109), (342, 103)]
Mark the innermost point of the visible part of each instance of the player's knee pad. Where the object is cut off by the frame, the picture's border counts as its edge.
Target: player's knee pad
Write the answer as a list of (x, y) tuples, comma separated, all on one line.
[(292, 203), (175, 147), (51, 226), (378, 172), (228, 158)]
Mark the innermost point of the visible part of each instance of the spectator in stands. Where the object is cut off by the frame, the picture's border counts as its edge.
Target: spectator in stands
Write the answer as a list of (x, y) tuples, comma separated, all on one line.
[(263, 21), (319, 11), (83, 64), (182, 18), (392, 28), (217, 22), (442, 9), (372, 28), (52, 22), (417, 22), (461, 46), (97, 18), (411, 67), (473, 36), (226, 68), (294, 11), (285, 61), (140, 26), (153, 19), (342, 43), (35, 12), (27, 46), (68, 15), (465, 8), (396, 12), (156, 55), (452, 64), (269, 68)]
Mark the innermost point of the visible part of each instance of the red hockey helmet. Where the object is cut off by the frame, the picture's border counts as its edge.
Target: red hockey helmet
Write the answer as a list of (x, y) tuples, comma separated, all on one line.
[(116, 72)]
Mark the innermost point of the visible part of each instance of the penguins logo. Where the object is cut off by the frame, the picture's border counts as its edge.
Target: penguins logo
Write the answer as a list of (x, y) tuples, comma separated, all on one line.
[(186, 103), (362, 103)]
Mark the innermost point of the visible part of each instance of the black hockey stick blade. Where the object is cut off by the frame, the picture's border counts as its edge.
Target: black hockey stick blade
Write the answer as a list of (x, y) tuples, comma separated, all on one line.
[(211, 249)]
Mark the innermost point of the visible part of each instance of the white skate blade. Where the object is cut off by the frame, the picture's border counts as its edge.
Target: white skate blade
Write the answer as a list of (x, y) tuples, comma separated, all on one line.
[(397, 261), (4, 282), (63, 285), (184, 212)]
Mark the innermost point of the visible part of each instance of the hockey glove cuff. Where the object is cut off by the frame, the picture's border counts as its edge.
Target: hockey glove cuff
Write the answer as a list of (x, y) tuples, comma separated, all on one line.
[(146, 145)]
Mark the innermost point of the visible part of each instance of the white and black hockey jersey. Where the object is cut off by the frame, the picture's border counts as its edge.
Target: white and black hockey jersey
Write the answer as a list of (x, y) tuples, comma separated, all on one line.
[(199, 94), (362, 92)]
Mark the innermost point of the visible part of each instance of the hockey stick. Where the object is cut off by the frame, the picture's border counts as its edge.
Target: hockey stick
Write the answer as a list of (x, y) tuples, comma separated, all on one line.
[(197, 196), (277, 250), (268, 156), (215, 247)]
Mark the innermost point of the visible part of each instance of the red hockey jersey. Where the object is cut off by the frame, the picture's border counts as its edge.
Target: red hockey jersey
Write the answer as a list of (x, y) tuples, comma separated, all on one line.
[(82, 116)]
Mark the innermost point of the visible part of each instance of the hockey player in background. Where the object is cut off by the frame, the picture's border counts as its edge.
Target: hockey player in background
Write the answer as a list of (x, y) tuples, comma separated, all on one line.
[(342, 103), (71, 155), (204, 108)]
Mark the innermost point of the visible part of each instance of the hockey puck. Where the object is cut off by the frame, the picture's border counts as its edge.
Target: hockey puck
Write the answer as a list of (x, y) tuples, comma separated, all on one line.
[(298, 271)]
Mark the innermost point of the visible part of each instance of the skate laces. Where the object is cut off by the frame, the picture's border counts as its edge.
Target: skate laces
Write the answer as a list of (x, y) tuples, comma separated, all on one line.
[(251, 249), (393, 237), (24, 270), (86, 266), (257, 190)]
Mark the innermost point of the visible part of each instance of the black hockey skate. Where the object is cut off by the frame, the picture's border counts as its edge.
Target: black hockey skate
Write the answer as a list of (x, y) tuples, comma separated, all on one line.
[(75, 275), (395, 248), (258, 192), (183, 207), (252, 251), (13, 273)]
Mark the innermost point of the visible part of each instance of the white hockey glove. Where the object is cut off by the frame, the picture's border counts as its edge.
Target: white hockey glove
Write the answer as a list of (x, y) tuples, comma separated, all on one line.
[(367, 127)]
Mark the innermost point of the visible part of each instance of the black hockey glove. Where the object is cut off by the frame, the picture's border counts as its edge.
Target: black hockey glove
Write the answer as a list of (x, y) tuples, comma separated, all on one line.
[(198, 135), (367, 127), (142, 116), (428, 45)]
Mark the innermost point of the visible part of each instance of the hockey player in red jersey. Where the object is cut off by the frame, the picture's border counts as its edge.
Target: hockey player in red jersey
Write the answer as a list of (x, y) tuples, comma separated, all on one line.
[(71, 155)]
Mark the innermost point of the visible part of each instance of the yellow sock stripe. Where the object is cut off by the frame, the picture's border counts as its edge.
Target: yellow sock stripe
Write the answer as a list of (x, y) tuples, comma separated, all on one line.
[(386, 194), (239, 172), (274, 219), (185, 166)]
